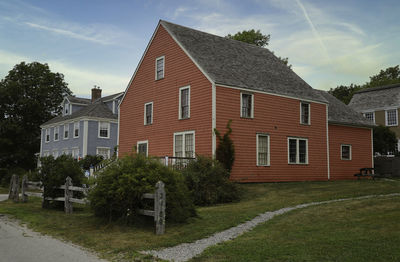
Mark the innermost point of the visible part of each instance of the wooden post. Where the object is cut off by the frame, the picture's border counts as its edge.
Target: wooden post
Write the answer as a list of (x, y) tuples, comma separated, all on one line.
[(159, 208), (14, 188), (24, 187), (67, 195)]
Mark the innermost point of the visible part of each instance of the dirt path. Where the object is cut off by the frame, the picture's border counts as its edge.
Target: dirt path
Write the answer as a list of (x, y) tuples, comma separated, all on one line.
[(20, 244)]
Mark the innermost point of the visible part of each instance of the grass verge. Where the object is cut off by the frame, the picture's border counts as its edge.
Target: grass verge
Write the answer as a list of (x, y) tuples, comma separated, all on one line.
[(357, 230), (109, 239)]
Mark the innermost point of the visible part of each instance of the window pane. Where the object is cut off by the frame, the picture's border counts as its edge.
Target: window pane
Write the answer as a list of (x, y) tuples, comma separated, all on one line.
[(66, 131), (305, 113), (292, 150), (178, 146), (185, 103), (104, 129), (262, 150), (148, 114), (189, 145), (302, 151), (142, 148), (246, 105), (160, 68), (391, 117), (369, 116), (346, 152)]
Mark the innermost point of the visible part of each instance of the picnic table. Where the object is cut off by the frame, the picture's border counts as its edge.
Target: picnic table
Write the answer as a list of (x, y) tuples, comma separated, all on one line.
[(366, 172)]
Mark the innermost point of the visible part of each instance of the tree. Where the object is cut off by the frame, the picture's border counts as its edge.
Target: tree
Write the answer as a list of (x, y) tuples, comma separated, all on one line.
[(384, 140), (391, 75), (225, 152), (29, 96), (344, 93), (255, 38)]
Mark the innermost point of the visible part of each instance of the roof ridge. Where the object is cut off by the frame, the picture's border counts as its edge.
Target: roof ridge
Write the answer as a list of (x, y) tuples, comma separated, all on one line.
[(377, 88)]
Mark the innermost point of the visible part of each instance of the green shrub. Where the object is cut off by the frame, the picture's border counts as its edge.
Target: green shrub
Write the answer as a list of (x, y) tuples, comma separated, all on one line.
[(89, 161), (53, 173), (225, 152), (209, 182), (121, 185), (6, 174)]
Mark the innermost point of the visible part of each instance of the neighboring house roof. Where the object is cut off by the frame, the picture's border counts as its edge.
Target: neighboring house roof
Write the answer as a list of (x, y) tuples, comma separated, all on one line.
[(237, 64), (98, 109), (111, 97), (340, 113), (376, 98), (79, 100)]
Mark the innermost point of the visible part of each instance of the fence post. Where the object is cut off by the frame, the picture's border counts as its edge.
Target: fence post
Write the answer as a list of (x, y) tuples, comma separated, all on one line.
[(14, 188), (67, 195), (24, 187), (159, 208)]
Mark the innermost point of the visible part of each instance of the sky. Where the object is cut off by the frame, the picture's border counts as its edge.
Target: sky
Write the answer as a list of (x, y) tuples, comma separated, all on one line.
[(328, 43)]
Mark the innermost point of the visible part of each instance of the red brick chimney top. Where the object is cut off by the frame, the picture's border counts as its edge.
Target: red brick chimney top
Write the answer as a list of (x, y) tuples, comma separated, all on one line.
[(96, 93)]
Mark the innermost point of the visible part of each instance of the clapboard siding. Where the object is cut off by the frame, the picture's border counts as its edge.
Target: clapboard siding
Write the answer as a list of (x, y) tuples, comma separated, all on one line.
[(180, 71), (360, 141), (280, 118)]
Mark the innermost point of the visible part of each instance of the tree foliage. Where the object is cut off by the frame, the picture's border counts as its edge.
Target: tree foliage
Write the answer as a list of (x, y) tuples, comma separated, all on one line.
[(225, 152), (29, 96), (390, 75), (255, 38), (384, 140)]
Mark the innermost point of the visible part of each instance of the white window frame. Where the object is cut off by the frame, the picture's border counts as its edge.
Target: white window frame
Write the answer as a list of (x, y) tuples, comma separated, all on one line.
[(73, 151), (341, 152), (297, 150), (78, 125), (268, 149), (102, 148), (301, 113), (58, 133), (180, 102), (163, 70), (66, 127), (386, 117), (143, 142), (145, 113), (55, 153), (252, 104), (46, 153), (373, 116), (183, 142), (47, 135), (108, 129), (64, 151)]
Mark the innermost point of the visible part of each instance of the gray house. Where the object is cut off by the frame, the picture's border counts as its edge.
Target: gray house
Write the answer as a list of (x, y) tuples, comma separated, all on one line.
[(86, 127)]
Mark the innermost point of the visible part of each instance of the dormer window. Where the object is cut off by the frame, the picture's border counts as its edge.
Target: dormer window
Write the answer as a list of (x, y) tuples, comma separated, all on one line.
[(160, 67), (66, 109)]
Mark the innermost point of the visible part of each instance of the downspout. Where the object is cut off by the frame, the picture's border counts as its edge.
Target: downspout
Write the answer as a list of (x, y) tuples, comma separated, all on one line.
[(327, 143), (213, 118)]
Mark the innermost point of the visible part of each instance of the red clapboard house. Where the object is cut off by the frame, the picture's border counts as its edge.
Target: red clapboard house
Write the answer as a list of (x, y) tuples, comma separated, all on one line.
[(189, 82)]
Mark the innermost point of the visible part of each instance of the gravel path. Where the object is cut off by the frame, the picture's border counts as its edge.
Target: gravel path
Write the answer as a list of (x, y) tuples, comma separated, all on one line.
[(186, 251), (20, 244)]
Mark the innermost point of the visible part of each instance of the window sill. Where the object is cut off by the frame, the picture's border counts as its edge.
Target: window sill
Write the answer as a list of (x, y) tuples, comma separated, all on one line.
[(184, 118), (247, 117), (101, 137), (159, 79), (304, 124), (301, 164), (263, 165)]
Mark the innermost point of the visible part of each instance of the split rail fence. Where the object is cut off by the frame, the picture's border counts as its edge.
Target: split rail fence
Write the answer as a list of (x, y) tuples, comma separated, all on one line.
[(159, 197)]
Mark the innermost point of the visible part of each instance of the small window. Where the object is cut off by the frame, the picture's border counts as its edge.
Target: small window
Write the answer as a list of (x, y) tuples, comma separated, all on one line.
[(184, 144), (370, 116), (66, 109), (160, 68), (142, 147), (148, 113), (55, 153), (246, 101), (75, 152), (56, 131), (262, 150), (304, 113), (66, 131), (103, 151), (47, 135), (76, 129), (46, 153), (184, 102), (297, 150), (391, 117), (345, 152), (65, 151), (104, 129)]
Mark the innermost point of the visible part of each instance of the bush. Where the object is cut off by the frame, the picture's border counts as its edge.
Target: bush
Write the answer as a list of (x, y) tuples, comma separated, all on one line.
[(225, 152), (53, 173), (6, 174), (90, 161), (121, 185), (209, 182)]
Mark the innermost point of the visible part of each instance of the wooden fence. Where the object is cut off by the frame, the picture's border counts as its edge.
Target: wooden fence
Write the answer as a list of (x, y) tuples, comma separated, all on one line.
[(177, 163), (159, 197)]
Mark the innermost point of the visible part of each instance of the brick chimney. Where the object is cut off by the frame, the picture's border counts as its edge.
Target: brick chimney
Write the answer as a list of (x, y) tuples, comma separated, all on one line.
[(96, 93)]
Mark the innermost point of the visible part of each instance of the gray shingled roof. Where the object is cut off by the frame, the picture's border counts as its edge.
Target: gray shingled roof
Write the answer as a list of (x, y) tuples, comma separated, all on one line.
[(340, 113), (97, 109), (110, 97), (376, 97), (79, 100), (238, 64)]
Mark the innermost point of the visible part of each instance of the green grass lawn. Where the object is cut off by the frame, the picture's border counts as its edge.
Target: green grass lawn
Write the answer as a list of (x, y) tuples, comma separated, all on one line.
[(360, 230), (84, 229)]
